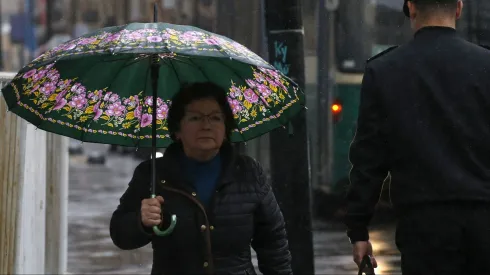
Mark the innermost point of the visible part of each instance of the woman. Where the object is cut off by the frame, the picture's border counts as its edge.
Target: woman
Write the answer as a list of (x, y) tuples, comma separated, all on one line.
[(222, 201)]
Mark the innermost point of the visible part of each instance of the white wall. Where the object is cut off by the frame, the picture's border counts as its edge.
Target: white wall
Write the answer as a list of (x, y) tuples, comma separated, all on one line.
[(10, 171), (33, 197), (56, 204), (31, 225)]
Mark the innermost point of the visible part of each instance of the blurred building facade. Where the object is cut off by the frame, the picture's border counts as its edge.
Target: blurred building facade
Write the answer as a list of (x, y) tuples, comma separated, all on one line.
[(241, 20)]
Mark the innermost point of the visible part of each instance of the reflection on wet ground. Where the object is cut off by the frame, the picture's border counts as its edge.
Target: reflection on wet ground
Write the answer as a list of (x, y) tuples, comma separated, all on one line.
[(95, 192)]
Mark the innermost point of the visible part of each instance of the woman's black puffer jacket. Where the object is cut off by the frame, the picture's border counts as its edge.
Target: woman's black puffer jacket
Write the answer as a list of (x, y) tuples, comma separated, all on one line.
[(244, 213)]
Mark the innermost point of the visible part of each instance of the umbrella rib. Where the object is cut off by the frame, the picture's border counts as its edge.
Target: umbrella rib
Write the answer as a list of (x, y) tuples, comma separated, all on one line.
[(182, 60), (129, 57), (235, 72), (200, 69), (142, 100), (107, 59), (121, 29), (59, 58), (88, 122), (136, 60), (175, 70), (157, 50), (221, 50)]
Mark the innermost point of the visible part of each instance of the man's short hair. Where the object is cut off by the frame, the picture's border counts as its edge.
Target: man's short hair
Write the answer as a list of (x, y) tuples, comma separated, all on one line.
[(430, 7)]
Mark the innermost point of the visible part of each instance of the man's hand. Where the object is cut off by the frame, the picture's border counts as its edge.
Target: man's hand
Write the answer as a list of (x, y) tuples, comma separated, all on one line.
[(361, 249)]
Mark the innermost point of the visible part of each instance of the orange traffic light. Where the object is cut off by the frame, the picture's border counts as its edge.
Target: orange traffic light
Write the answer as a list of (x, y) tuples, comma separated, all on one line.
[(336, 108)]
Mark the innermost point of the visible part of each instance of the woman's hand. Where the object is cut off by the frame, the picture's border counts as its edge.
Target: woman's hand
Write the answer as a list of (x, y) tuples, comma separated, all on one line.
[(151, 210)]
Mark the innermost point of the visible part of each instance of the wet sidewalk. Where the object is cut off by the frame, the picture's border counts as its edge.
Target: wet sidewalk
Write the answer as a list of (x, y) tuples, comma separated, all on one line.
[(94, 195)]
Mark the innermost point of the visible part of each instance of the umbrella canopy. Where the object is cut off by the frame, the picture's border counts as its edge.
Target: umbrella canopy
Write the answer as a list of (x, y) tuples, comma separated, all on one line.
[(98, 87)]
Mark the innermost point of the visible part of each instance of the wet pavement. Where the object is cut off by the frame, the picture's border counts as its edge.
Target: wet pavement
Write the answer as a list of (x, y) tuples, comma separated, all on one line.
[(94, 195)]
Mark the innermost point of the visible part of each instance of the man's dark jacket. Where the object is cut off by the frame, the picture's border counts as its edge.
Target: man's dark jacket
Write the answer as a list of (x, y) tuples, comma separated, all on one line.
[(424, 117), (217, 240)]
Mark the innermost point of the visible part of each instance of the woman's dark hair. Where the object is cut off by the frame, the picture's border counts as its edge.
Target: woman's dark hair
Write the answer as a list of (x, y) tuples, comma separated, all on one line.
[(189, 93)]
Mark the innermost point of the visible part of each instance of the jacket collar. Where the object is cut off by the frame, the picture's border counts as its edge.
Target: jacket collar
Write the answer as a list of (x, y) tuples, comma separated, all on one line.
[(434, 31), (173, 171)]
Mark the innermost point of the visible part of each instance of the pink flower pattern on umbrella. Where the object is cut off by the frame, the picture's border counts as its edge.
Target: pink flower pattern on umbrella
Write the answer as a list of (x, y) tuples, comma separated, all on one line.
[(115, 109), (146, 120), (48, 88), (162, 112), (251, 96), (153, 38), (138, 111), (135, 36), (235, 105), (98, 112), (78, 102), (30, 74), (60, 104)]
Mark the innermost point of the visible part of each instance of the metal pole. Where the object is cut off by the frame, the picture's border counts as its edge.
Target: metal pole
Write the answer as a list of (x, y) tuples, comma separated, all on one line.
[(263, 28), (262, 143), (195, 19), (30, 34), (126, 11), (289, 153), (154, 77), (231, 18), (74, 4), (49, 19), (324, 92), (322, 67)]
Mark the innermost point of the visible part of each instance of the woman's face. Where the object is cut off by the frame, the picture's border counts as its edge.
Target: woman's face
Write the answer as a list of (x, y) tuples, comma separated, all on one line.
[(202, 129)]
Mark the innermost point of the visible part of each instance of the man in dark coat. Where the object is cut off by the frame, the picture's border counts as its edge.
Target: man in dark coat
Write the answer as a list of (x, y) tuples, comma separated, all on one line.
[(424, 118)]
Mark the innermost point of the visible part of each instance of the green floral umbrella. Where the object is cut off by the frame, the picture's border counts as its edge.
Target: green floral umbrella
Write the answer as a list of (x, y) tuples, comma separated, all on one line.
[(114, 86), (98, 87)]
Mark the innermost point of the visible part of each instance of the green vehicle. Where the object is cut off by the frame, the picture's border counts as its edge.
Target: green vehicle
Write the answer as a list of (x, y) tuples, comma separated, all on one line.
[(362, 29)]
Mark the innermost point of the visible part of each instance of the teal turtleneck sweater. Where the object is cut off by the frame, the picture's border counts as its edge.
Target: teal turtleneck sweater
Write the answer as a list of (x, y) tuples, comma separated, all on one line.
[(203, 176)]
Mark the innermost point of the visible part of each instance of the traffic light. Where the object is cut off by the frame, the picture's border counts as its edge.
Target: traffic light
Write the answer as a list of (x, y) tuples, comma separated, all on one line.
[(336, 109)]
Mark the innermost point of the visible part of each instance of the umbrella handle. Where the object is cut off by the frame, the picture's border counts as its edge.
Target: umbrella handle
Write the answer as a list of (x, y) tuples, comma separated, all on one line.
[(169, 230)]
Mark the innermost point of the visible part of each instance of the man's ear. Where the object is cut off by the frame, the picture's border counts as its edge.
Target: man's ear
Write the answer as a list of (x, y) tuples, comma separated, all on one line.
[(411, 9), (459, 9)]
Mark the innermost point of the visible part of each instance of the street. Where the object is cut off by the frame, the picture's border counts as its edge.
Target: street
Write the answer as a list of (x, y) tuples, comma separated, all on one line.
[(94, 195)]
